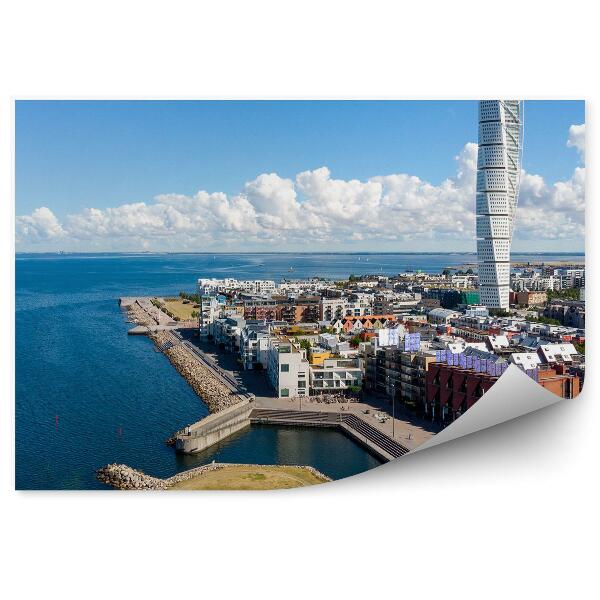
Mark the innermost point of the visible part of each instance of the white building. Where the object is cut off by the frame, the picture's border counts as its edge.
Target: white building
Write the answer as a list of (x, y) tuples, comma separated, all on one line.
[(441, 316), (208, 312), (477, 311), (229, 284), (227, 330), (557, 353), (525, 360), (287, 368), (335, 375), (254, 346), (498, 175), (332, 308)]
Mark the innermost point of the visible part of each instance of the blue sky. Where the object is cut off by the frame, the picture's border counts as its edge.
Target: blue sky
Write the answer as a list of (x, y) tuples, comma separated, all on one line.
[(72, 156)]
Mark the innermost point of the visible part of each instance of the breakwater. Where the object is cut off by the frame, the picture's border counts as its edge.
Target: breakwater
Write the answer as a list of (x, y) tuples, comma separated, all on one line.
[(142, 311), (214, 392), (123, 477)]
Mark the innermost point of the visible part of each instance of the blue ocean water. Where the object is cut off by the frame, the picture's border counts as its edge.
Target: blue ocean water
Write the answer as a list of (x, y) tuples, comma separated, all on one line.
[(87, 394)]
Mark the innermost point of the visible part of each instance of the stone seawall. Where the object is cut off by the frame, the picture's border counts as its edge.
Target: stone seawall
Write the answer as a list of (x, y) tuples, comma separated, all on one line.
[(123, 477), (215, 394)]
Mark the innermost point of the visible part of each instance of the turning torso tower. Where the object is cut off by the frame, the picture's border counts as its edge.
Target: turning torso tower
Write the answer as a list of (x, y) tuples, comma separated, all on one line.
[(498, 174)]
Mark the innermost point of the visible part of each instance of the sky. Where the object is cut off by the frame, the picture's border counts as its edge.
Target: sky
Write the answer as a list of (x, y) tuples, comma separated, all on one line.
[(283, 176)]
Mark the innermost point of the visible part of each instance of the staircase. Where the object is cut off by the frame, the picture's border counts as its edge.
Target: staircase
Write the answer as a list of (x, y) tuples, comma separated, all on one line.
[(331, 419)]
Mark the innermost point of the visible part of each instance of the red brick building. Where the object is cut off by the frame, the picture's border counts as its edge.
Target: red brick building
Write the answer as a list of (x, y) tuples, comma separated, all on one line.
[(451, 390)]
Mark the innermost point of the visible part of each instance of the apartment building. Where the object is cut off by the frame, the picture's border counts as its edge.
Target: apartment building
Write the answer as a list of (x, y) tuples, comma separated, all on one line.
[(528, 298), (227, 331), (567, 312), (254, 346), (209, 286), (413, 376), (207, 314), (334, 375), (287, 368)]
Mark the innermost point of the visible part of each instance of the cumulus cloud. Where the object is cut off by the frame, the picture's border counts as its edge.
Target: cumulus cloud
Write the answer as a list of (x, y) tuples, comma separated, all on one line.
[(577, 139), (40, 225), (396, 211)]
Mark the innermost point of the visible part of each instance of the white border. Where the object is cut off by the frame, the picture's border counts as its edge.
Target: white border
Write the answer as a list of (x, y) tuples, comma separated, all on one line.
[(510, 512)]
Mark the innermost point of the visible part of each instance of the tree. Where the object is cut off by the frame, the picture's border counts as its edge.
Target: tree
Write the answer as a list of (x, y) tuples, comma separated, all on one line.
[(544, 320), (355, 341), (566, 294), (305, 344)]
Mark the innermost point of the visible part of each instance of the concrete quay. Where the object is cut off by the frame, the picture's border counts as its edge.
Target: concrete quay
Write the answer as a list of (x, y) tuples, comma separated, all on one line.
[(214, 428)]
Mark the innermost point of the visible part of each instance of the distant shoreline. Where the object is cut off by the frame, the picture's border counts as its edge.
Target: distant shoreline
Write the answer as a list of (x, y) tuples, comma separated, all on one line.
[(324, 252)]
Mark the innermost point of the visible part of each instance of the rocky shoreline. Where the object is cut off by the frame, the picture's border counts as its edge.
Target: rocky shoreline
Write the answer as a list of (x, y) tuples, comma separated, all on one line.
[(213, 392), (123, 477)]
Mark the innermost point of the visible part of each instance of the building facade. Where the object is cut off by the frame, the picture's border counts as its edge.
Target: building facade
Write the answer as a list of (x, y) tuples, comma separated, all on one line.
[(287, 368), (207, 314), (498, 175)]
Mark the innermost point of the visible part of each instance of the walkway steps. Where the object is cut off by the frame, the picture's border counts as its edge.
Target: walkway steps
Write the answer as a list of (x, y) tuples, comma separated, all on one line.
[(363, 431)]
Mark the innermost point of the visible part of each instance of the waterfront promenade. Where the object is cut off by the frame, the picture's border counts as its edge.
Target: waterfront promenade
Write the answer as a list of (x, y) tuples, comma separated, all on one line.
[(218, 379), (407, 430)]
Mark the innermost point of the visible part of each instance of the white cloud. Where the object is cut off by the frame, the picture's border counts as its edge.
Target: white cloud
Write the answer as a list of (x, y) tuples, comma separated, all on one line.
[(40, 225), (577, 139), (390, 212)]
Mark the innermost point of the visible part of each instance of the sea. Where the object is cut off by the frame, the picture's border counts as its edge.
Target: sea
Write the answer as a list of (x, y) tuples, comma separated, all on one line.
[(87, 394)]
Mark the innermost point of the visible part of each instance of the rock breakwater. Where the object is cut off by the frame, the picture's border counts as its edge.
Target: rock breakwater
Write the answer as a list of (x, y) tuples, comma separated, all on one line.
[(214, 393), (123, 477)]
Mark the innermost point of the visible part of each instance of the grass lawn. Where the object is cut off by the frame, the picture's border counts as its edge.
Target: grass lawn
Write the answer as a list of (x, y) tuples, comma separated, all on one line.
[(179, 309), (250, 478)]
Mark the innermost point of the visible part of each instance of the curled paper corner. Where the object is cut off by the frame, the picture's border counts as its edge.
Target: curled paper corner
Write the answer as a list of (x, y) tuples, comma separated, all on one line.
[(513, 395)]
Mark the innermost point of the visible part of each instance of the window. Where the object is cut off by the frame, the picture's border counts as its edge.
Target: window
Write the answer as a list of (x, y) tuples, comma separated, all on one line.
[(285, 392), (301, 385), (284, 368)]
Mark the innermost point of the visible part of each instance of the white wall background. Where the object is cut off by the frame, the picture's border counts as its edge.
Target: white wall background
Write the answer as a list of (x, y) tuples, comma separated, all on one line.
[(508, 513)]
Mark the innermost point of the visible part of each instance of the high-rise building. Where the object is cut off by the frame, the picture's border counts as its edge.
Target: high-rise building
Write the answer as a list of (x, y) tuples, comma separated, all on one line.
[(498, 175)]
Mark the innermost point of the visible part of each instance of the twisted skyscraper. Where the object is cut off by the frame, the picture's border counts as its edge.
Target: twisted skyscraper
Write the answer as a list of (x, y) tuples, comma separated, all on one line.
[(498, 175)]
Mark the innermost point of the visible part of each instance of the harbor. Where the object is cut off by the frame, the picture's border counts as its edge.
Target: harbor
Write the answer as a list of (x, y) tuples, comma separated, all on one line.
[(233, 406)]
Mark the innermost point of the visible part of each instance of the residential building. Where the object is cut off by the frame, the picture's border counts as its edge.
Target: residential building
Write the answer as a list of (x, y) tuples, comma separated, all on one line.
[(525, 360), (254, 346), (531, 298), (207, 313), (450, 391), (335, 375), (567, 312), (287, 368), (441, 316), (552, 354), (413, 378), (227, 331)]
